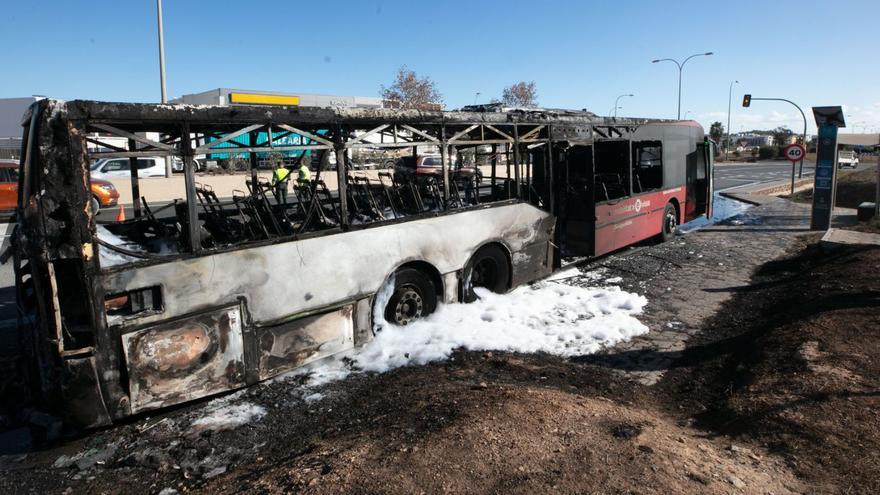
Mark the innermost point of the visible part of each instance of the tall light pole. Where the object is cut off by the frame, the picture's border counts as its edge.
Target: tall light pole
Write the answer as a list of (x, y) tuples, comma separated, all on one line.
[(616, 101), (680, 67), (168, 171), (476, 95), (161, 51), (729, 96)]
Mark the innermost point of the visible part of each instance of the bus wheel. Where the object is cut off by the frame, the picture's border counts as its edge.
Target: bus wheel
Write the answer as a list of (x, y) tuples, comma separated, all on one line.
[(414, 297), (487, 268), (670, 222)]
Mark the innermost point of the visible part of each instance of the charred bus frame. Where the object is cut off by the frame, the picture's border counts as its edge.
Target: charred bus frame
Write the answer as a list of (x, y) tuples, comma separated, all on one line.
[(254, 287)]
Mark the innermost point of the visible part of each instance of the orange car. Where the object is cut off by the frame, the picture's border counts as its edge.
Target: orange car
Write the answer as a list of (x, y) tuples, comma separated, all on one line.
[(104, 193), (8, 186)]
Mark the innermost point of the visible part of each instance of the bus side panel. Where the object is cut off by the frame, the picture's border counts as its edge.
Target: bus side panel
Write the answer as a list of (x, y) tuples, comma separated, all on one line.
[(631, 220), (291, 345), (281, 280), (296, 301)]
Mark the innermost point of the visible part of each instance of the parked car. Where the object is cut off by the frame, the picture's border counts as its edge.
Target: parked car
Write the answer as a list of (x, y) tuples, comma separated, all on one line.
[(847, 159), (430, 165), (177, 165), (104, 194), (120, 167), (8, 186)]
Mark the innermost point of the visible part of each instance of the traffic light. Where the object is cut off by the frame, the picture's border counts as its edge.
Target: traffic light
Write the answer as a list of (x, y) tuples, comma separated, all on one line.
[(747, 100)]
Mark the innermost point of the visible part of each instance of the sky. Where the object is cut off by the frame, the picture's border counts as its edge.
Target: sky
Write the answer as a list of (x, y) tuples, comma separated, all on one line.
[(581, 54)]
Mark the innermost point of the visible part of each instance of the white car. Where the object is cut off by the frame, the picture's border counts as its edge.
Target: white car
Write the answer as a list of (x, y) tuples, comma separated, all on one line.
[(847, 159), (107, 168)]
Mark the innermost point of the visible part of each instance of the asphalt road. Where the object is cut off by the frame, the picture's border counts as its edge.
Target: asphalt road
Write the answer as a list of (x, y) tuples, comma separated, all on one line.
[(740, 174)]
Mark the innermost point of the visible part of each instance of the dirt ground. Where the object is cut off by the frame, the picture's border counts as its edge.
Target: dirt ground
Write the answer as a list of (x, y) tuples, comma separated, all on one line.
[(796, 372), (774, 388)]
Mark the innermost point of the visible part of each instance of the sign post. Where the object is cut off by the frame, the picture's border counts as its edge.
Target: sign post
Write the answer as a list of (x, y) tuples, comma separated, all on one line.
[(794, 153), (828, 120)]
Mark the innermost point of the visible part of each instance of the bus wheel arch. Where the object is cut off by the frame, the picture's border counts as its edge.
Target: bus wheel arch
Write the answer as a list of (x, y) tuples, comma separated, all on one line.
[(490, 267), (416, 290), (671, 219)]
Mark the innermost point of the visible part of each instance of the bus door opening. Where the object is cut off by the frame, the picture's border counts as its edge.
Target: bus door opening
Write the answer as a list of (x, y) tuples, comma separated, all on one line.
[(577, 208), (698, 186)]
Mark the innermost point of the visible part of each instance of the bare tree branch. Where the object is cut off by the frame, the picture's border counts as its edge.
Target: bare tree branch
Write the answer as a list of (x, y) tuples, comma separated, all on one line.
[(521, 94), (410, 91)]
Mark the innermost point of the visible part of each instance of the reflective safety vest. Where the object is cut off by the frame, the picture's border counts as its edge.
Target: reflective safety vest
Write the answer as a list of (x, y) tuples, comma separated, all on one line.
[(304, 174), (281, 174)]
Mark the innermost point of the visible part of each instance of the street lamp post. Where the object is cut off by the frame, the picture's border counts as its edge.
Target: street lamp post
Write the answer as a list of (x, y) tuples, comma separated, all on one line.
[(168, 171), (680, 67), (161, 51), (729, 95), (616, 101), (476, 95)]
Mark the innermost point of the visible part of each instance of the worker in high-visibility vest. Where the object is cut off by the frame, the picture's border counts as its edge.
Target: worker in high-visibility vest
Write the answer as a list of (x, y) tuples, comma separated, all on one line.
[(279, 179), (304, 175)]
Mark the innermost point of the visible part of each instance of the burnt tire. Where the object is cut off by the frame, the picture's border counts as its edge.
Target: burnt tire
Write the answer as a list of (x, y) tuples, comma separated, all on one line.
[(487, 268), (414, 297), (670, 222)]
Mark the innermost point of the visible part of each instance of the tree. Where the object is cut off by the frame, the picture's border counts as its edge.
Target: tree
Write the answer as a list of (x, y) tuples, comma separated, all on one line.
[(410, 91), (716, 131), (781, 136), (521, 94)]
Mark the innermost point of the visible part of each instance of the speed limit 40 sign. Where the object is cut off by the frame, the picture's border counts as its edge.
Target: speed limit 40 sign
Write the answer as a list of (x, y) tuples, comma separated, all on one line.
[(794, 152)]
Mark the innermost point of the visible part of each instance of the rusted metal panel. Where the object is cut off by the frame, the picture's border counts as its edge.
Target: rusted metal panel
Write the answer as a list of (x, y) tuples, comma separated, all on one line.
[(186, 359), (291, 345), (363, 321)]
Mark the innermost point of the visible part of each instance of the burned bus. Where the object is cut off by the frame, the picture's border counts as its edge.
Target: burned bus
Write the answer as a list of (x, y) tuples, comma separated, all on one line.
[(210, 288)]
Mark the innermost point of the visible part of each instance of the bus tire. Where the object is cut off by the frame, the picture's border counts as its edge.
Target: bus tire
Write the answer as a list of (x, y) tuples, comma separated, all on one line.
[(487, 268), (414, 297), (670, 222)]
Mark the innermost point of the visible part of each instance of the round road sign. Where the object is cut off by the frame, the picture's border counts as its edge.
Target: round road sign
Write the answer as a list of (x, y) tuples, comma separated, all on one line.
[(794, 152)]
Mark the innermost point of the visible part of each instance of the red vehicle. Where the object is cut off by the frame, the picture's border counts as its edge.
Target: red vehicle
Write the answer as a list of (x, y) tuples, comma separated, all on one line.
[(615, 192), (431, 165), (8, 186)]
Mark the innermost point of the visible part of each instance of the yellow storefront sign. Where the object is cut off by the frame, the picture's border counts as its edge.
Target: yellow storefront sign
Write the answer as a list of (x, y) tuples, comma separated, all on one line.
[(258, 99)]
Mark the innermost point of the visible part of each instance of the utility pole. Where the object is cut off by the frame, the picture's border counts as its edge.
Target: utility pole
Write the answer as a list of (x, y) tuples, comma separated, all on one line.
[(729, 96), (168, 159), (161, 51), (680, 67)]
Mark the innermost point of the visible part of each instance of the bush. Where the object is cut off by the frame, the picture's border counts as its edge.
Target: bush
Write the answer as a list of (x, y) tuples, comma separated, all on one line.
[(767, 152)]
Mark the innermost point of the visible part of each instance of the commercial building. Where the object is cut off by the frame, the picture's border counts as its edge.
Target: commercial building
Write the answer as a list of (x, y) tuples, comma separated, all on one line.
[(232, 97), (11, 112)]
